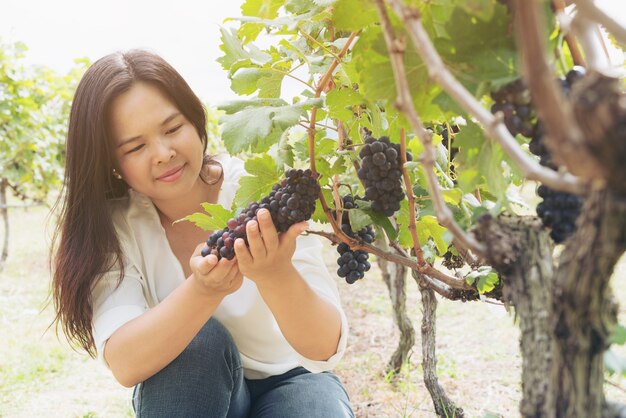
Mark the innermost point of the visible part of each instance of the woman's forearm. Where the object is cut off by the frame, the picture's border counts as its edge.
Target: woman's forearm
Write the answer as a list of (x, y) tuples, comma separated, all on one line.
[(310, 323), (148, 343)]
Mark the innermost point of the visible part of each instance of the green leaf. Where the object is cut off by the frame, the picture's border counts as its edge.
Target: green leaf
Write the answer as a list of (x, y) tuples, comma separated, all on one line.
[(488, 282), (428, 227), (266, 9), (452, 196), (482, 9), (235, 52), (340, 103), (354, 15), (474, 49), (252, 125), (370, 60), (402, 219), (618, 336), (234, 106), (359, 219), (266, 80), (215, 218), (263, 175), (319, 215), (284, 153), (378, 219)]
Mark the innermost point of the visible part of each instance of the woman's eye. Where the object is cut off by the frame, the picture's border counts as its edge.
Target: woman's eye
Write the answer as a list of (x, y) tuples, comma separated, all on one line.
[(137, 148), (174, 129)]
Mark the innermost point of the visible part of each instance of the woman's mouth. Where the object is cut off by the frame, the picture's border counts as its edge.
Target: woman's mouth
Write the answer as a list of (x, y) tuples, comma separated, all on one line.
[(172, 175)]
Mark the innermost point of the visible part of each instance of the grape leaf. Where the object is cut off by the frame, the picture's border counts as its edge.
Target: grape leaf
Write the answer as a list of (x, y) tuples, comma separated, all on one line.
[(476, 50), (215, 218), (482, 9), (266, 80), (354, 15), (340, 103), (249, 126), (378, 219), (263, 175), (234, 51), (618, 336), (359, 219), (428, 227), (402, 219), (266, 9), (376, 80), (319, 215)]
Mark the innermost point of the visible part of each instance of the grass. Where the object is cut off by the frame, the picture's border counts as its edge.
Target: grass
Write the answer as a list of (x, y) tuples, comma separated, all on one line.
[(477, 348)]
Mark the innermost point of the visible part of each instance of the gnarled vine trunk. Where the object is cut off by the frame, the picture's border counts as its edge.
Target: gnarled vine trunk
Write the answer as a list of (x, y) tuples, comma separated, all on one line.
[(521, 250), (584, 313), (5, 218), (566, 316), (444, 406), (394, 276)]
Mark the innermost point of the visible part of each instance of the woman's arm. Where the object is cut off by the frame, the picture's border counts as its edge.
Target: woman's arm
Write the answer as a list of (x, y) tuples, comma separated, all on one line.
[(145, 345), (310, 323)]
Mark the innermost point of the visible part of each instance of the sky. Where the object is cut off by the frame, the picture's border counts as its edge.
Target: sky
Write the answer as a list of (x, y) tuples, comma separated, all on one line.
[(185, 32)]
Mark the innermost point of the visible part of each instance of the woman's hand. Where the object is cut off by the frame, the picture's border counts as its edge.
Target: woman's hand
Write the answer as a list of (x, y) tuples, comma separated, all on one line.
[(269, 255), (215, 278)]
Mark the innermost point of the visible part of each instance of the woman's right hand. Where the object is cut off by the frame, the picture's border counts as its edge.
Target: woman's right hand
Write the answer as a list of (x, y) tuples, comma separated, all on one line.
[(215, 278)]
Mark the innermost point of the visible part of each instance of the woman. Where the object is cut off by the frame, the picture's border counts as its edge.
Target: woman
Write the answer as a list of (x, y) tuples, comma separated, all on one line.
[(254, 336)]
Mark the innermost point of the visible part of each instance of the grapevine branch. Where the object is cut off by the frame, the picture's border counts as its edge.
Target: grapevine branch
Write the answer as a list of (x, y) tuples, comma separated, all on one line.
[(565, 139), (417, 247), (404, 103), (311, 130), (577, 57), (591, 42), (589, 9), (493, 125)]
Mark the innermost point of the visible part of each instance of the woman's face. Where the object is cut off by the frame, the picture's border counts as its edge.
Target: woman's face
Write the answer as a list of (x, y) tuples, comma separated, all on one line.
[(158, 150)]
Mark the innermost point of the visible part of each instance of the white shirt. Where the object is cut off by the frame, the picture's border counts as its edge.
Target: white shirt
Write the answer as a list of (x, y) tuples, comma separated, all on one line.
[(152, 271)]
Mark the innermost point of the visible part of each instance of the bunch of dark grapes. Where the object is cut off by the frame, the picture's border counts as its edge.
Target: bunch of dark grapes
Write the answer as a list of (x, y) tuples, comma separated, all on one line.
[(381, 174), (452, 260), (353, 264), (513, 100), (289, 202), (558, 210)]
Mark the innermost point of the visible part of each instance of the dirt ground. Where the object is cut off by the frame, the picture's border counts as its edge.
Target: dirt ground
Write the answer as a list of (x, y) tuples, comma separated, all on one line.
[(477, 348)]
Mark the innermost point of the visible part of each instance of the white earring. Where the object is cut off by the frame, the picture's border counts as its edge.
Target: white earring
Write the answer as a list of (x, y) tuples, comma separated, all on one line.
[(116, 174)]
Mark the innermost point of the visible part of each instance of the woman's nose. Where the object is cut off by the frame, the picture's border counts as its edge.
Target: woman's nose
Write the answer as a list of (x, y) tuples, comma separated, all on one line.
[(164, 152)]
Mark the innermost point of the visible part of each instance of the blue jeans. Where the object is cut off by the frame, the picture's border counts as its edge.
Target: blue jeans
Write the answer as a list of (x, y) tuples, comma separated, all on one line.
[(206, 380)]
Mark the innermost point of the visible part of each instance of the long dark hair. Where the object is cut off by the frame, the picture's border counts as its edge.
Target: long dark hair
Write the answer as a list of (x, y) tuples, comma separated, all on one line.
[(85, 245)]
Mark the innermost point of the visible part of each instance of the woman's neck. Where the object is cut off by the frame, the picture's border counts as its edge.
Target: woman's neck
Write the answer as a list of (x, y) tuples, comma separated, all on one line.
[(171, 211)]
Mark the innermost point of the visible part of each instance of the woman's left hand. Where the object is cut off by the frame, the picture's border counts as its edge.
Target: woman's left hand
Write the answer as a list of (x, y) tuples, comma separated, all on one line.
[(268, 254)]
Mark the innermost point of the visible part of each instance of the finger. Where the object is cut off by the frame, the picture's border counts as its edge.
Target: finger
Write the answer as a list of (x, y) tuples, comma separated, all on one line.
[(203, 265), (241, 252), (198, 249), (268, 230), (224, 266), (255, 241), (232, 275), (294, 231)]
